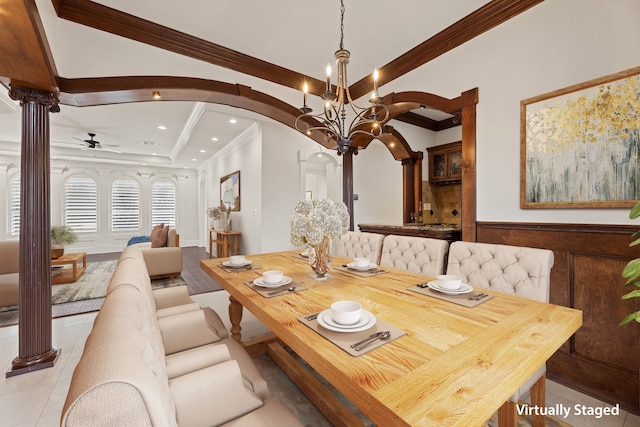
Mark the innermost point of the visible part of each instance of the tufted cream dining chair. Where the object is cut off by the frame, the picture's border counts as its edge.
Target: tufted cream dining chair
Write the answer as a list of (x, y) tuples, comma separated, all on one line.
[(415, 254), (514, 270), (359, 244)]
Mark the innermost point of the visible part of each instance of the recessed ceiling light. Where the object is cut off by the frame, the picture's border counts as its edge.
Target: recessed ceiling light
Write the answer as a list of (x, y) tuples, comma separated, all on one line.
[(154, 154), (203, 151), (162, 127), (214, 139), (186, 167), (195, 160), (233, 121), (144, 164)]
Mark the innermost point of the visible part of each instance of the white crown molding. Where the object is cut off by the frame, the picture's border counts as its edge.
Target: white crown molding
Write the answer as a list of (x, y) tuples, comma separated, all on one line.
[(192, 121)]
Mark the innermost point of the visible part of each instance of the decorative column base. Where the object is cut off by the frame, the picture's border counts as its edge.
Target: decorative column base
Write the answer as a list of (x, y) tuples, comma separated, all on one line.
[(25, 365)]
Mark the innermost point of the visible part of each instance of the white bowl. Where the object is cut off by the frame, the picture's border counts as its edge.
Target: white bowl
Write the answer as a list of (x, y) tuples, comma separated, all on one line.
[(346, 312), (361, 262), (237, 259), (449, 282), (272, 276)]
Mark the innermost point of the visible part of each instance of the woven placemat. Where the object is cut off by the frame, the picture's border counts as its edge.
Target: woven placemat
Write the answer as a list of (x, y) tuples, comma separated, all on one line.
[(344, 340), (276, 292), (368, 273), (462, 299), (239, 269)]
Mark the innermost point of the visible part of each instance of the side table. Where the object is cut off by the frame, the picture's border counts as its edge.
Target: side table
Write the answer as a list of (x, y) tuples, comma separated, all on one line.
[(223, 241)]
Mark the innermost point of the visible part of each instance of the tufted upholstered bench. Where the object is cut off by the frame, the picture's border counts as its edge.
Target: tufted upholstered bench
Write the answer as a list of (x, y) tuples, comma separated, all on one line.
[(142, 369), (359, 244), (513, 270), (419, 255)]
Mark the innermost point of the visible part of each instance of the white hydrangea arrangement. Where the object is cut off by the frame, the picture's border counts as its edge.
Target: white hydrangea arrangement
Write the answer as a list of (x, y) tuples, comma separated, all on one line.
[(313, 220)]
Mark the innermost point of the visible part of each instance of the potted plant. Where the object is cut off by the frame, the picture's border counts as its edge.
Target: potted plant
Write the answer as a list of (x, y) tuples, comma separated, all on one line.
[(631, 271), (61, 235)]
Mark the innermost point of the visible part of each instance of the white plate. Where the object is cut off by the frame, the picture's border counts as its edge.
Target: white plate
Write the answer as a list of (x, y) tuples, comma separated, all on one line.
[(260, 282), (464, 289), (244, 264), (366, 321), (369, 267)]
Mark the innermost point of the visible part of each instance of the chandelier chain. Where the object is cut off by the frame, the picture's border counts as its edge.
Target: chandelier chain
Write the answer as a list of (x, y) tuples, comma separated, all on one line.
[(341, 24)]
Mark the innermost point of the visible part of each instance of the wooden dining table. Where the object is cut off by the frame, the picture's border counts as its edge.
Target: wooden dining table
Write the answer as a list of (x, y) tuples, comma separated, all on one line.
[(455, 365)]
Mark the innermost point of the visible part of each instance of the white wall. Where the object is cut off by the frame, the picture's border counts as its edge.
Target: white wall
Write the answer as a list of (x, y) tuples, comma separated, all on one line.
[(266, 156), (280, 183), (242, 154), (377, 180), (551, 46)]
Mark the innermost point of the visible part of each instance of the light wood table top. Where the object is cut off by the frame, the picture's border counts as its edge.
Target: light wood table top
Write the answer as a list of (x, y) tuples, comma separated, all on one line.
[(456, 365)]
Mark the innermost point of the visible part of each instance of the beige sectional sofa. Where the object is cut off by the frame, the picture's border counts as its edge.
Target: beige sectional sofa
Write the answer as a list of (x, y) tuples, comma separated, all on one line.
[(164, 362), (9, 267)]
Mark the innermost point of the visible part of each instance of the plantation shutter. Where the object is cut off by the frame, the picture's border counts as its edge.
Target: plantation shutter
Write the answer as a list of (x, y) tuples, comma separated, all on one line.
[(14, 206), (125, 205), (81, 204), (163, 203)]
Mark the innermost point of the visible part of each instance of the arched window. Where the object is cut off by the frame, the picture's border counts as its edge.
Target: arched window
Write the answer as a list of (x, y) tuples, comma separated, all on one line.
[(14, 205), (163, 203), (81, 204), (125, 205)]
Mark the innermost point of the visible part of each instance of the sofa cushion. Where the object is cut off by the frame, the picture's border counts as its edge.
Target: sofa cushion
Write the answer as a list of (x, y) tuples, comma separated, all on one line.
[(9, 291), (10, 255), (159, 236)]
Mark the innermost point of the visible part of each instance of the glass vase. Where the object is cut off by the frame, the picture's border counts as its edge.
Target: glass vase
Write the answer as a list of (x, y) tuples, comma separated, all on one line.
[(320, 257)]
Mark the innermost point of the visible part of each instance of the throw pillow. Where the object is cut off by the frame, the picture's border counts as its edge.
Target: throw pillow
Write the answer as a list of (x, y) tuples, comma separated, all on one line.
[(156, 236), (165, 235)]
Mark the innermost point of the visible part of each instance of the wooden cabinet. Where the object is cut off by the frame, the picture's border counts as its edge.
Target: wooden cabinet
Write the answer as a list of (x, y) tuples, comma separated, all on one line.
[(445, 163)]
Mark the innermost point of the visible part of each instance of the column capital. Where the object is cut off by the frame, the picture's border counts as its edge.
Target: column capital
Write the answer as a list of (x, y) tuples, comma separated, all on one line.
[(41, 97)]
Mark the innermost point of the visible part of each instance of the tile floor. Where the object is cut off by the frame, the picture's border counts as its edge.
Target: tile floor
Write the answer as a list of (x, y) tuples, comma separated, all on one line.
[(45, 391)]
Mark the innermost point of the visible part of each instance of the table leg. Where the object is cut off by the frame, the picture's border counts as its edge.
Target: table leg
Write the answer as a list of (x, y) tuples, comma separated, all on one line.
[(210, 244), (84, 261), (235, 315)]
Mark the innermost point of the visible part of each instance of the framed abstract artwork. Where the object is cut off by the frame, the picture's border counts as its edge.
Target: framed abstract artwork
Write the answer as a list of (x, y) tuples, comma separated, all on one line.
[(579, 146), (230, 191)]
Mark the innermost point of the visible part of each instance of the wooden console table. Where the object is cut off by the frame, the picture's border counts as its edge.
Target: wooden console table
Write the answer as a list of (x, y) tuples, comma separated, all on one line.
[(69, 275), (223, 242)]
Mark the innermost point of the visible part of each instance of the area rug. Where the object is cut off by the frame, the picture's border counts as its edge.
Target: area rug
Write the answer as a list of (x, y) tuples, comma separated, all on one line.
[(93, 285)]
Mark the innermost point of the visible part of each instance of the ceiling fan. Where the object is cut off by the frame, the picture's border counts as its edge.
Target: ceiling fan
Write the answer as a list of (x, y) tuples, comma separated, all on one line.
[(92, 144)]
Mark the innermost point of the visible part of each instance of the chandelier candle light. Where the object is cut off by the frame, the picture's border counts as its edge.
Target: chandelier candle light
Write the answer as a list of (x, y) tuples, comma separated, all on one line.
[(316, 222), (333, 119)]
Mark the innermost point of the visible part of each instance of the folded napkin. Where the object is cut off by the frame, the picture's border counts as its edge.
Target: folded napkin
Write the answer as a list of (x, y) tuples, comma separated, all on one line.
[(345, 339), (462, 299), (276, 292), (238, 269), (368, 273)]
